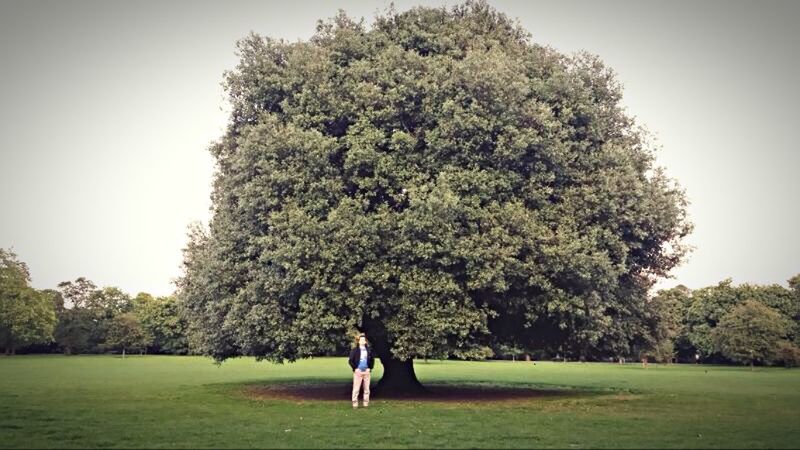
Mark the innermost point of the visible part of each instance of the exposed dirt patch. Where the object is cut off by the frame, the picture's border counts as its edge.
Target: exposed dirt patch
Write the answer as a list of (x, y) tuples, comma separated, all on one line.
[(435, 393)]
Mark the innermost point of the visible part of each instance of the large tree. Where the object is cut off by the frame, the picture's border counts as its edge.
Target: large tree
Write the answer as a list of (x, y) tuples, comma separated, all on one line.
[(27, 316), (87, 314), (126, 332), (161, 319), (437, 181), (675, 303), (751, 332), (73, 330)]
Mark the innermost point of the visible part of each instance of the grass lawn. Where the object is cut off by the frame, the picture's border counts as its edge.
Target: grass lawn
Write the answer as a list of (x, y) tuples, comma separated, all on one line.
[(164, 401)]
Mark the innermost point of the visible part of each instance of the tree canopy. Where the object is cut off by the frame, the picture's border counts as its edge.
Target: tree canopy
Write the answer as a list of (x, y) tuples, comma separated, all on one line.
[(437, 181), (750, 332), (125, 332), (27, 316), (161, 319)]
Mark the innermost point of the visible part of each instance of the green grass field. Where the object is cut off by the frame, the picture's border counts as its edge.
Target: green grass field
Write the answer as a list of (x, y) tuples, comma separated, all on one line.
[(162, 401)]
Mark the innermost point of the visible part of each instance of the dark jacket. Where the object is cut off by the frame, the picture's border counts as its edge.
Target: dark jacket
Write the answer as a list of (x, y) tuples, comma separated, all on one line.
[(355, 356)]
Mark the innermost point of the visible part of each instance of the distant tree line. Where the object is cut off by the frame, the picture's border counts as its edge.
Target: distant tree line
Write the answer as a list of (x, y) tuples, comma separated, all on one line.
[(749, 324), (745, 324), (80, 317)]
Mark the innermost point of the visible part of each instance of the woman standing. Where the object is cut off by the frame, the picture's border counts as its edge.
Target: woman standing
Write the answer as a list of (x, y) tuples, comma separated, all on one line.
[(361, 361)]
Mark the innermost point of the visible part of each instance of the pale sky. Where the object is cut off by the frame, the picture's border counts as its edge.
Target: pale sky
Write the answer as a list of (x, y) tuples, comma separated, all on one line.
[(107, 109)]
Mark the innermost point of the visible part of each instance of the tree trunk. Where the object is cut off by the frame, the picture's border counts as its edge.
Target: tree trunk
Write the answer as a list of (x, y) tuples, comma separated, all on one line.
[(398, 378), (123, 352)]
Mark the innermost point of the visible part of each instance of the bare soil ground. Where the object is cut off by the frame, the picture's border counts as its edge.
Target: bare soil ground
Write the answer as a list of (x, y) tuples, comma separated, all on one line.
[(434, 393)]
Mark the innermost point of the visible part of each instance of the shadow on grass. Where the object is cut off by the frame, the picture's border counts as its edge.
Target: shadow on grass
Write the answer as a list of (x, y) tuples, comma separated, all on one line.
[(315, 391)]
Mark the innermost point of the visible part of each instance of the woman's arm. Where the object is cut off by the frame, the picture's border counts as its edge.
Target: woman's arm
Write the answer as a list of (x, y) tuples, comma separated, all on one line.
[(351, 359)]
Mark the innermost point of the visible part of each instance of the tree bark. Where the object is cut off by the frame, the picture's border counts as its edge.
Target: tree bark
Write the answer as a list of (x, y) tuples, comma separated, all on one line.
[(398, 378)]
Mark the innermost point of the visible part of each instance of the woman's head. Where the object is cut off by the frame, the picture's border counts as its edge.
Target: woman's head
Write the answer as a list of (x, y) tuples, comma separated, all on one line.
[(361, 339)]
